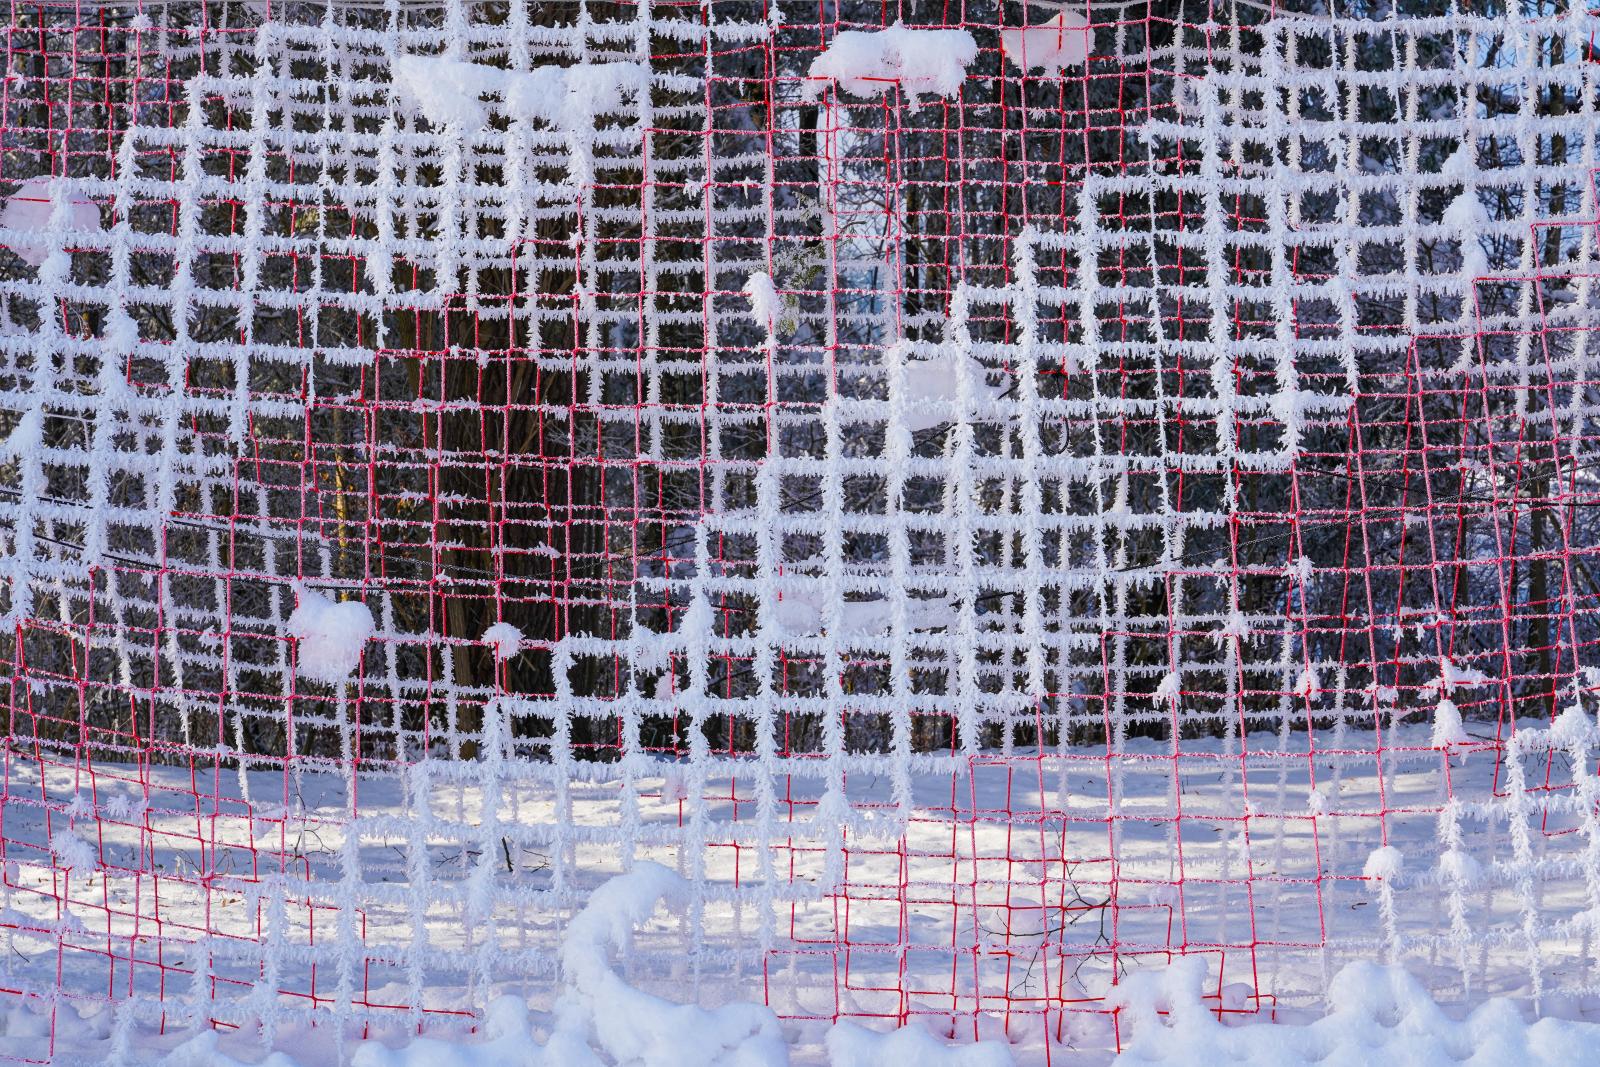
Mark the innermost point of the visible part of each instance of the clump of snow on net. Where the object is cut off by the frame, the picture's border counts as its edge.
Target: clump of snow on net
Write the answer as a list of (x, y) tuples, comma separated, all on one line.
[(1573, 727), (1386, 862), (765, 304), (504, 638), (919, 61), (71, 851), (1448, 729), (451, 92), (329, 635)]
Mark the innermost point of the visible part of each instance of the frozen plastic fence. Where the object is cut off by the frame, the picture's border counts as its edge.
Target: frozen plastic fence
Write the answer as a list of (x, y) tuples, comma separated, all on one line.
[(996, 499)]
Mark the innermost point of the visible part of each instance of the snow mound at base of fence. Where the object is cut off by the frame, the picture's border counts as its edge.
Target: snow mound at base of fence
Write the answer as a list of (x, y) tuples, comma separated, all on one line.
[(330, 635), (918, 60), (600, 1019), (1376, 1015)]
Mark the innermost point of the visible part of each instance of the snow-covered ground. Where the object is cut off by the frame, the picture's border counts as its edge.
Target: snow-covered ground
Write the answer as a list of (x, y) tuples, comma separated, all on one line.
[(984, 908)]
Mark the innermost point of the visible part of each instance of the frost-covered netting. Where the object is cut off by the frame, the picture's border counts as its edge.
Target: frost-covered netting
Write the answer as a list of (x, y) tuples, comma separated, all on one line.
[(997, 497)]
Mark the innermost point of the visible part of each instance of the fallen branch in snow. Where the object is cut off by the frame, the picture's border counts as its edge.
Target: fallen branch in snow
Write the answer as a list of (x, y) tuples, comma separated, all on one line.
[(329, 634), (1052, 45), (600, 1019)]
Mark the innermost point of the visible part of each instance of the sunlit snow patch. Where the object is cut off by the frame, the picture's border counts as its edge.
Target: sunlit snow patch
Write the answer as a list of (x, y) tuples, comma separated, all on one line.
[(1376, 1015), (764, 300), (504, 638), (850, 1045), (1449, 732)]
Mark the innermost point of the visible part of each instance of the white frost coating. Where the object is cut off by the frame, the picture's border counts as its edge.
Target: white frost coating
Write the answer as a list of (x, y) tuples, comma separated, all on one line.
[(931, 389), (33, 208), (1236, 626), (1469, 218), (801, 613), (919, 61), (1461, 163), (1163, 896), (71, 851), (1384, 863), (1052, 45), (1376, 1015), (1319, 801), (26, 436), (764, 301), (1448, 730), (505, 638), (450, 92), (446, 91), (850, 1045), (1450, 678), (330, 635)]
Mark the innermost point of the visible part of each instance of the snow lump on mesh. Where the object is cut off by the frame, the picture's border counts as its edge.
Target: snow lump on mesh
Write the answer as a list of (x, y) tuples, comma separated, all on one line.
[(330, 635), (504, 638), (919, 61)]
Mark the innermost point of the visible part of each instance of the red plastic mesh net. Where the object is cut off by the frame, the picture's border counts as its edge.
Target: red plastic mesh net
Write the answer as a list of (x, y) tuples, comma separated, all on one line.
[(991, 518)]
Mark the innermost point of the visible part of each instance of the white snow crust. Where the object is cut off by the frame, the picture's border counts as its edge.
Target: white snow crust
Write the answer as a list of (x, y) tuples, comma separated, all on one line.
[(450, 92)]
